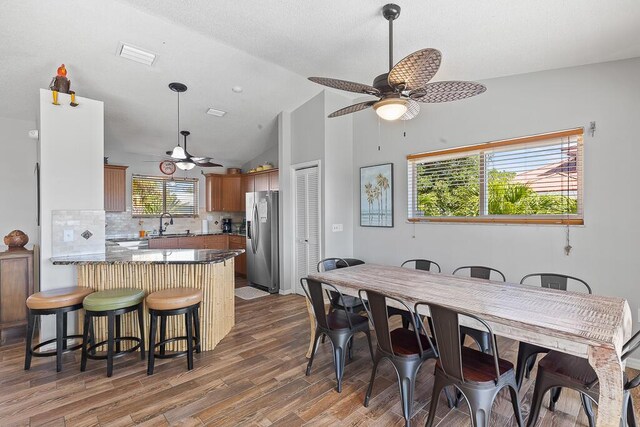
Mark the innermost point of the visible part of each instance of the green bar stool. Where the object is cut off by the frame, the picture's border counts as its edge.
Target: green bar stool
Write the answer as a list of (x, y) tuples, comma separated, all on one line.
[(174, 302), (112, 304), (58, 302)]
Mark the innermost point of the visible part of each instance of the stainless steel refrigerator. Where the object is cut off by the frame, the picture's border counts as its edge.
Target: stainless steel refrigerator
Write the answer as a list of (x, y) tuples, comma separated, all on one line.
[(262, 240)]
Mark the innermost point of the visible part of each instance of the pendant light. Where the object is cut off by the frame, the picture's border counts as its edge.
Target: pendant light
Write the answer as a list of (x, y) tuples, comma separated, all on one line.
[(185, 166), (178, 151)]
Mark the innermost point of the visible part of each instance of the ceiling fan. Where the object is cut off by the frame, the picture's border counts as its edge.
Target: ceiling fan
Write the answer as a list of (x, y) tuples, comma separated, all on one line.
[(186, 161), (179, 155), (405, 85)]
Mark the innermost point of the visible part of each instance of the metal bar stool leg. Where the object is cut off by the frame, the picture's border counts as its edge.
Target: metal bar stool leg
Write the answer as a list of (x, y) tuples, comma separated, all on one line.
[(59, 338), (65, 330), (152, 343), (141, 326), (187, 323), (110, 342), (196, 327), (118, 334), (163, 333), (30, 327), (86, 332)]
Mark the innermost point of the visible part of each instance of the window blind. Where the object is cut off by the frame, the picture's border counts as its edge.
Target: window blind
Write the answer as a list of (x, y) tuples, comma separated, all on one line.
[(151, 196), (536, 179)]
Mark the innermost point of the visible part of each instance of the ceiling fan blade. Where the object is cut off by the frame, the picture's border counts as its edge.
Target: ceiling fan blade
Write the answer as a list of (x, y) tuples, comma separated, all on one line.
[(414, 71), (208, 164), (447, 91), (413, 108), (352, 109), (346, 85)]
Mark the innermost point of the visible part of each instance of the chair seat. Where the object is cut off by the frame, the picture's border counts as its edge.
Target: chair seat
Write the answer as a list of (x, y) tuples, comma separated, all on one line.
[(57, 298), (174, 299), (404, 343), (338, 320), (565, 365), (479, 367), (113, 299)]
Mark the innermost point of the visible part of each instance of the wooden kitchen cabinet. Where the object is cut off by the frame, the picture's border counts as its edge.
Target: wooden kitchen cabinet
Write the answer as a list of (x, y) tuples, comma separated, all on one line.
[(232, 193), (165, 243), (274, 180), (214, 193), (239, 242), (217, 241), (191, 242), (16, 284), (115, 188), (261, 182)]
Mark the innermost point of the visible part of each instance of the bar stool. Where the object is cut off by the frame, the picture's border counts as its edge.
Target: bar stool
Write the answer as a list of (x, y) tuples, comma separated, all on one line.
[(58, 302), (173, 302), (112, 303)]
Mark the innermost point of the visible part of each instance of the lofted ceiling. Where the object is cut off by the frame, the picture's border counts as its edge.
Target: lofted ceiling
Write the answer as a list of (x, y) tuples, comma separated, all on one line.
[(269, 47)]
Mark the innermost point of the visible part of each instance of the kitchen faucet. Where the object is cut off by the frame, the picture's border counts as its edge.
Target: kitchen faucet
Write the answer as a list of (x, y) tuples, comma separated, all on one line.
[(161, 230)]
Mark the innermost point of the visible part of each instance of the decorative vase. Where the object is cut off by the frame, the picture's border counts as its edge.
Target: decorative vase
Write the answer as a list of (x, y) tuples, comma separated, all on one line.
[(16, 240)]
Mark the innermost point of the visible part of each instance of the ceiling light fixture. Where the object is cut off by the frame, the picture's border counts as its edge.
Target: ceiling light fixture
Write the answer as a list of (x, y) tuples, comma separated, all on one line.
[(178, 152), (237, 89), (217, 113), (136, 54), (185, 166), (390, 108)]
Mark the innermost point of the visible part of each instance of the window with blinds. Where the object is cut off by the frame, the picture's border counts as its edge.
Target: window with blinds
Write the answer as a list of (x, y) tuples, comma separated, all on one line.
[(151, 196), (535, 179)]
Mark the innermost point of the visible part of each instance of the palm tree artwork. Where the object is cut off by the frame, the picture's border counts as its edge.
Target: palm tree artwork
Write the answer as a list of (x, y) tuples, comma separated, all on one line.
[(376, 196)]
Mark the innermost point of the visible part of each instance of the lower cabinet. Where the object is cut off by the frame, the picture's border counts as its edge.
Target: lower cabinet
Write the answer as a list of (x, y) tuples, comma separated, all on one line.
[(216, 241), (16, 284), (239, 242)]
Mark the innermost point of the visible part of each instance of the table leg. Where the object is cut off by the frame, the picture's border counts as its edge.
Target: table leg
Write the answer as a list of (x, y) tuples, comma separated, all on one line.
[(610, 370), (312, 327)]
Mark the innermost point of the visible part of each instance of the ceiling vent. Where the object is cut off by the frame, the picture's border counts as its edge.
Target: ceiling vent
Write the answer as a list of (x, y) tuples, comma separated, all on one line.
[(217, 113), (136, 54)]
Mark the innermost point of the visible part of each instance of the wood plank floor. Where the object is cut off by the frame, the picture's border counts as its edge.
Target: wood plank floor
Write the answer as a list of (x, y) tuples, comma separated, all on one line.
[(255, 377)]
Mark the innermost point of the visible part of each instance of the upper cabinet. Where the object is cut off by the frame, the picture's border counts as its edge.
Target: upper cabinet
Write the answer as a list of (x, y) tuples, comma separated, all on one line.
[(115, 188), (226, 193)]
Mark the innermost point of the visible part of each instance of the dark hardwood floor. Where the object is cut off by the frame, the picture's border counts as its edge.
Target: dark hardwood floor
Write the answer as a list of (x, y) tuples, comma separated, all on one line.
[(255, 377)]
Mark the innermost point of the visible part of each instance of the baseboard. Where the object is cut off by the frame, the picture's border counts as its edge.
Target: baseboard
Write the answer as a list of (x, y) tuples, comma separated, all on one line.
[(633, 363), (286, 291)]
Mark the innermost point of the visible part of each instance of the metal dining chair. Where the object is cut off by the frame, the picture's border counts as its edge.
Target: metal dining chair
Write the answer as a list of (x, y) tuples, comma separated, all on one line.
[(352, 304), (481, 338), (557, 370), (528, 353), (405, 349), (418, 264), (339, 325), (476, 375)]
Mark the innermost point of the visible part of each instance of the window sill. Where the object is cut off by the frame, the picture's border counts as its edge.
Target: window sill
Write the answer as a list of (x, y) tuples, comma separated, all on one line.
[(543, 221)]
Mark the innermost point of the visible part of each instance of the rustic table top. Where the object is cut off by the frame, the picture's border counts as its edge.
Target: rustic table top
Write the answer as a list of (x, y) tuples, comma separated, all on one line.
[(588, 320)]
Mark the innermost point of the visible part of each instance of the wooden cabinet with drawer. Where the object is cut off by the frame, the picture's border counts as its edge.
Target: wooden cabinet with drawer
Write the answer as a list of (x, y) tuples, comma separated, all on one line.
[(218, 241), (16, 284), (191, 242), (165, 243), (239, 242), (115, 188)]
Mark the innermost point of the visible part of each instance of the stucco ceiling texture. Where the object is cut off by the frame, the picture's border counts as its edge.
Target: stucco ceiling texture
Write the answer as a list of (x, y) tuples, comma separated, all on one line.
[(270, 47)]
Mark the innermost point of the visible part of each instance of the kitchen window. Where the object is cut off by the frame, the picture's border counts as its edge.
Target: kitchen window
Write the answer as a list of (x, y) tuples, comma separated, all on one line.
[(152, 195), (530, 180)]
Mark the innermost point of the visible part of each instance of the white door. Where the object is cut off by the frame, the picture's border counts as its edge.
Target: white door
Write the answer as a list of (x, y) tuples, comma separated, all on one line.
[(307, 223)]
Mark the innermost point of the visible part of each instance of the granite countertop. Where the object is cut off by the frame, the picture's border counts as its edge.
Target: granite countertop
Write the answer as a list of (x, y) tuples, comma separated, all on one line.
[(156, 236), (118, 255)]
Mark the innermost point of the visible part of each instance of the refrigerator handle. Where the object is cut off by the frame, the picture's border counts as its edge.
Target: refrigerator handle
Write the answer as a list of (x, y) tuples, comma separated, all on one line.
[(256, 225)]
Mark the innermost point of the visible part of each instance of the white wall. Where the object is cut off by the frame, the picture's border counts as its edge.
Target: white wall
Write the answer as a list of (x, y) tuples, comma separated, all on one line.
[(268, 156), (18, 179), (307, 135), (71, 175), (605, 252)]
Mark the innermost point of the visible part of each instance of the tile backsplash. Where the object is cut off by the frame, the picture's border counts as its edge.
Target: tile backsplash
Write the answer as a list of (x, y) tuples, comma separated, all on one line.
[(76, 232), (122, 224)]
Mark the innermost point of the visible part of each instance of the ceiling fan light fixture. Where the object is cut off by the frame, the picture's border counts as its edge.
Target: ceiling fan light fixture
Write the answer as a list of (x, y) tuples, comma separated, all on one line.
[(185, 166), (178, 153), (390, 108)]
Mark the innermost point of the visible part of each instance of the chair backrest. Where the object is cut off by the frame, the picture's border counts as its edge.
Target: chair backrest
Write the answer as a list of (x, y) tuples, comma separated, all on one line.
[(481, 272), (555, 281), (328, 264), (315, 293), (376, 305), (422, 264), (445, 324)]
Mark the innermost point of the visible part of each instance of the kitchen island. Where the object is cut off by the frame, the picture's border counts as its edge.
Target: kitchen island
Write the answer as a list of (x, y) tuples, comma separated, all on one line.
[(153, 270)]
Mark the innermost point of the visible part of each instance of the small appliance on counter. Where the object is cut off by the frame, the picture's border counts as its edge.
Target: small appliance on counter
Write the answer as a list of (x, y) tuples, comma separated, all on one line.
[(226, 225)]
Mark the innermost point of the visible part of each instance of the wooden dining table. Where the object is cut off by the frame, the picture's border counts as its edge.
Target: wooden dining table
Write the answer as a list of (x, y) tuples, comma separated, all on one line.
[(593, 327)]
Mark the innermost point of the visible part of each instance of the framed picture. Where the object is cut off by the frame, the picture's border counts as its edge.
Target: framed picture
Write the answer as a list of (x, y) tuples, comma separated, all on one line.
[(376, 195)]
